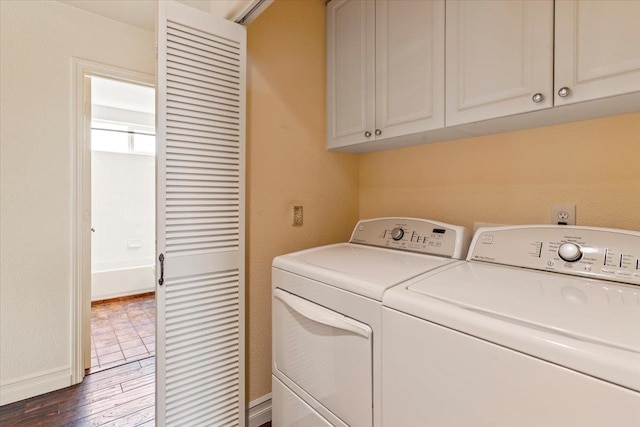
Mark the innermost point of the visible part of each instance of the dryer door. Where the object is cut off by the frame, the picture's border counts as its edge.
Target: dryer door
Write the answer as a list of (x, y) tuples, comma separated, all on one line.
[(324, 356)]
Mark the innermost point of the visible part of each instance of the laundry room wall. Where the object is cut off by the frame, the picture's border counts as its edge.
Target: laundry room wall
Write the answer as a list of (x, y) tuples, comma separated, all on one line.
[(514, 177), (38, 41), (287, 162)]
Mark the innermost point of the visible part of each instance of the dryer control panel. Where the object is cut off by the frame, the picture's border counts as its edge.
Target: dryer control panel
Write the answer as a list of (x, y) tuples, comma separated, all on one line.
[(414, 235), (582, 251)]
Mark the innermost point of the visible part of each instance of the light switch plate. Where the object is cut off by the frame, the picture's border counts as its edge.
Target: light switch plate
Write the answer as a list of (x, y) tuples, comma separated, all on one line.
[(297, 216)]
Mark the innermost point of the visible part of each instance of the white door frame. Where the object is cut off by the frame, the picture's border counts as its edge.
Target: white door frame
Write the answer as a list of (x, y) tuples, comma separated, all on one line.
[(81, 210)]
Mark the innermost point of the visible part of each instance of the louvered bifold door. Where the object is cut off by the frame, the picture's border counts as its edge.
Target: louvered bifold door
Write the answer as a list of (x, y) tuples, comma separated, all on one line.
[(200, 219)]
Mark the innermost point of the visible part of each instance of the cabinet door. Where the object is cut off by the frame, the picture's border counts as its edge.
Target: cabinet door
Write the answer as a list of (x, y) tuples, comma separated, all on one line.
[(499, 56), (350, 72), (597, 49), (409, 67)]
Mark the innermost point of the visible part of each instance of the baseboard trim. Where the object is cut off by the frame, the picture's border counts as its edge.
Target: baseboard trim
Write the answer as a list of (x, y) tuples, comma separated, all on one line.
[(121, 298), (34, 385), (259, 411)]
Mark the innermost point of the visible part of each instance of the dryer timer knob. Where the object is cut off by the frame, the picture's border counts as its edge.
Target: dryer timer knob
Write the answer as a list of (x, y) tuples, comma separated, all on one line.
[(397, 233), (570, 252)]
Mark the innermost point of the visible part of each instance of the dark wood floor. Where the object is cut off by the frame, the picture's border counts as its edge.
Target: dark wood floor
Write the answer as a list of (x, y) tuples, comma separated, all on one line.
[(115, 397), (120, 396)]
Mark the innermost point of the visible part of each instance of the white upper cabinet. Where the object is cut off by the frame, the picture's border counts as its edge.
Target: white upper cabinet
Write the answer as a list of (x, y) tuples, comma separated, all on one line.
[(499, 58), (350, 71), (385, 69), (409, 67), (597, 49), (510, 65)]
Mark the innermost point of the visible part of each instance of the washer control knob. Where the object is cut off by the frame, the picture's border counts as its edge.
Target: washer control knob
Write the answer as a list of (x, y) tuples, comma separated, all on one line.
[(570, 252), (397, 233)]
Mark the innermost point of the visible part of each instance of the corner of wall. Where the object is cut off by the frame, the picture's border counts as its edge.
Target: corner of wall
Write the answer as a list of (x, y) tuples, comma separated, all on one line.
[(259, 411)]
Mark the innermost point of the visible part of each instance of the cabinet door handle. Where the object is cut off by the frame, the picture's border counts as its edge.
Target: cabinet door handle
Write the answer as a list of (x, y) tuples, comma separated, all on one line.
[(161, 279), (564, 92), (367, 134), (378, 132), (537, 98)]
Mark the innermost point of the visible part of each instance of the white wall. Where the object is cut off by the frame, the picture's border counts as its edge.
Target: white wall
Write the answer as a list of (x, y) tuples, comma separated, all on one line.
[(38, 41), (122, 210), (123, 216)]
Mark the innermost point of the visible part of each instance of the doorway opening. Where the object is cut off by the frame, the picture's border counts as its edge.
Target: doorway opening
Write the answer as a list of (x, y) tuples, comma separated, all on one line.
[(98, 114), (122, 147)]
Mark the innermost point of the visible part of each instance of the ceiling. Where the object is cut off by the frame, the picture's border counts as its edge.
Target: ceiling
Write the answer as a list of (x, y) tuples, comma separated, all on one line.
[(142, 13)]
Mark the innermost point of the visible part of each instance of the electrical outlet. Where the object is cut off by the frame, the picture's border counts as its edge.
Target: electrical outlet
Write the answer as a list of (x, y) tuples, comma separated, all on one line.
[(297, 216), (563, 214)]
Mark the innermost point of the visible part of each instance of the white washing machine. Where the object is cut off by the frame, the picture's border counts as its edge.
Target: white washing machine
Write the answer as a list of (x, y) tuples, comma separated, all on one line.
[(327, 314), (540, 328)]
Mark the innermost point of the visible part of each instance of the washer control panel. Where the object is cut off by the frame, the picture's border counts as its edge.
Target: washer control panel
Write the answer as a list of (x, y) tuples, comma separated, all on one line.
[(414, 235), (583, 251)]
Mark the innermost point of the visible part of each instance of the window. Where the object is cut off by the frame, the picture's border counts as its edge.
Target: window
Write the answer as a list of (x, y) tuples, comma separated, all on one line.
[(144, 143), (109, 137), (122, 138)]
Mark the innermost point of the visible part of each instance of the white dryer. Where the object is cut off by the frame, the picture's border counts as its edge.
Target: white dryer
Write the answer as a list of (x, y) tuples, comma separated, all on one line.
[(327, 314), (540, 328)]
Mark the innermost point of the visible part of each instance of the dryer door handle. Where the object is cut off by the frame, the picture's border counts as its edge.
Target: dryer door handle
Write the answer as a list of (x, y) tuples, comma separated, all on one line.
[(322, 315)]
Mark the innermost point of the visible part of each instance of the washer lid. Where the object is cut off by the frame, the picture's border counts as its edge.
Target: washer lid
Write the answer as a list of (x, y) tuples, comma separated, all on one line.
[(364, 270), (585, 324)]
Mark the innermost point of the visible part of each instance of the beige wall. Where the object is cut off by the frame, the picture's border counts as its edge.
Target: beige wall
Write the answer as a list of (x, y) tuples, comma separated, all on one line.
[(287, 162), (513, 177), (38, 41), (506, 178)]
